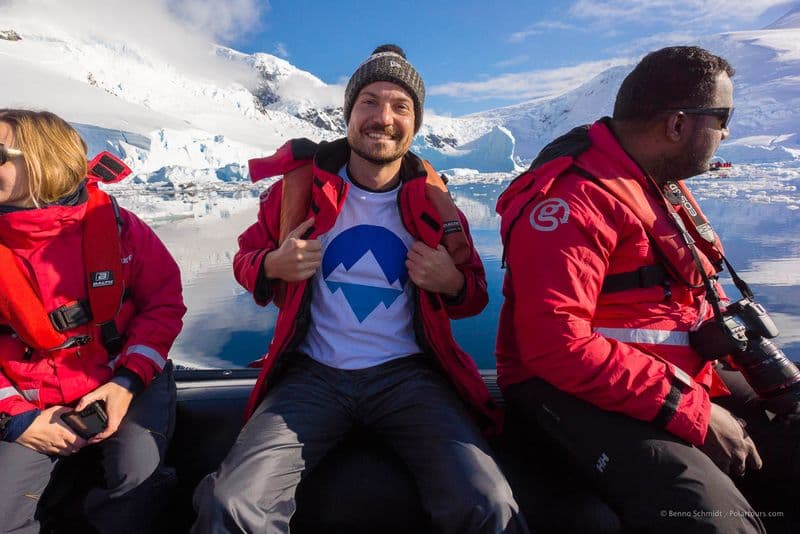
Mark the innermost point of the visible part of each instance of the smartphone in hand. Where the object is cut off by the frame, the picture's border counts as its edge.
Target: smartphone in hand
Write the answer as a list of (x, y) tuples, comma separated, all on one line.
[(88, 422)]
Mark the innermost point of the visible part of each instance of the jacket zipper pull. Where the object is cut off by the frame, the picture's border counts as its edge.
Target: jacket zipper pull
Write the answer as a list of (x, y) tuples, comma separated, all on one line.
[(74, 341)]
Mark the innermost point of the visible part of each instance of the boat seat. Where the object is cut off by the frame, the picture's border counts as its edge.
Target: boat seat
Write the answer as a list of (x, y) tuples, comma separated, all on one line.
[(362, 486)]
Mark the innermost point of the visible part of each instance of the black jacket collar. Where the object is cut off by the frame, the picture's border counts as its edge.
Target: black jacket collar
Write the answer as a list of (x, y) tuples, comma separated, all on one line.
[(77, 197)]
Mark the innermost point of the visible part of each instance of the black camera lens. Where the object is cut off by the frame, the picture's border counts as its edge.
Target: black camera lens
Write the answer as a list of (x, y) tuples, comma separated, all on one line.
[(771, 374), (742, 333)]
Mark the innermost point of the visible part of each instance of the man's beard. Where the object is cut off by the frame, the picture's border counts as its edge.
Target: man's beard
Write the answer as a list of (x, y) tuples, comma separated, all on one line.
[(375, 160), (384, 159), (691, 162)]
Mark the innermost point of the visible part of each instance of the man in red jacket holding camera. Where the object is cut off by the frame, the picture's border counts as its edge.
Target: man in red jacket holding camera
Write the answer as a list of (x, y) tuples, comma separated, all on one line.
[(612, 271)]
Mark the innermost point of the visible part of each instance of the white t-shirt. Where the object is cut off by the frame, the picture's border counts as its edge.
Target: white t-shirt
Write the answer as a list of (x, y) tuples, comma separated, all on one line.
[(361, 306)]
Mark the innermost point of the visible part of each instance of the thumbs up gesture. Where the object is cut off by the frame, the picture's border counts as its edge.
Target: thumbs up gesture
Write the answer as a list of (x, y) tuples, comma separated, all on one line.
[(297, 258)]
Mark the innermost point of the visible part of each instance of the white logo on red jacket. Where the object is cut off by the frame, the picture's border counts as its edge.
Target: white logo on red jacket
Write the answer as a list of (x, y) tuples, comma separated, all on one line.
[(548, 214)]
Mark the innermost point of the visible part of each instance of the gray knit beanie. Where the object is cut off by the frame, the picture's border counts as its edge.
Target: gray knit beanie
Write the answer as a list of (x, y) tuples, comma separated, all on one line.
[(387, 63)]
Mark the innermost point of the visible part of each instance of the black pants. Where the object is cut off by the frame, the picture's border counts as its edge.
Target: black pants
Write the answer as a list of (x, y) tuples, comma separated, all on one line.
[(312, 407), (129, 460), (774, 490), (655, 481)]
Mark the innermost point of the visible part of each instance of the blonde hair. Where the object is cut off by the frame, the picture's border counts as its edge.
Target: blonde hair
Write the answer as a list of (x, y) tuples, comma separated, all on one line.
[(54, 153)]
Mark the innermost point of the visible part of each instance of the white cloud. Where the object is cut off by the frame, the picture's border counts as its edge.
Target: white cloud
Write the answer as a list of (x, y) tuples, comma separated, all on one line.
[(179, 32), (537, 29), (281, 50), (224, 19), (673, 13), (298, 88), (526, 85), (512, 61), (654, 42)]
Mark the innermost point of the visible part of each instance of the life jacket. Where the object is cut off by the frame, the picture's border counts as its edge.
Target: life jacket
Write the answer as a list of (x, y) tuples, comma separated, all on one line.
[(669, 235), (21, 307), (297, 156)]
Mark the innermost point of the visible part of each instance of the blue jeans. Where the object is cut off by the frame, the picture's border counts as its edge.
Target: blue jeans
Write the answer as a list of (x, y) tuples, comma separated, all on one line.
[(311, 408)]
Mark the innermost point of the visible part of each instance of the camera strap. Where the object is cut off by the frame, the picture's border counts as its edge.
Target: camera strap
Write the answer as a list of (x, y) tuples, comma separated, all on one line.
[(711, 292), (675, 195), (740, 284)]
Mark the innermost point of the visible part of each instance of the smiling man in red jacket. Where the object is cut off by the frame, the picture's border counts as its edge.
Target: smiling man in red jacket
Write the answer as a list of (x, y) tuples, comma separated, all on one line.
[(610, 262), (367, 280)]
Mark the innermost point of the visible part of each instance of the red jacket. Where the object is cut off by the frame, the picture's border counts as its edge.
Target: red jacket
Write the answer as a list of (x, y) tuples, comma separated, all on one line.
[(623, 351), (433, 314), (47, 243)]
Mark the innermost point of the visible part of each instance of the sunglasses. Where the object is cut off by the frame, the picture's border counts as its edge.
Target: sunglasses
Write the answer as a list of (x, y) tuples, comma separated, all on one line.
[(8, 153), (723, 114)]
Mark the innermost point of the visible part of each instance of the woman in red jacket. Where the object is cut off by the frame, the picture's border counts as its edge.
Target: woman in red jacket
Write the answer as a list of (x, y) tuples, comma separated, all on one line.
[(90, 303)]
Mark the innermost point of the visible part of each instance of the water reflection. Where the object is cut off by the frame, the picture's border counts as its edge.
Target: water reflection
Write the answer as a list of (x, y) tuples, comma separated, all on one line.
[(225, 328)]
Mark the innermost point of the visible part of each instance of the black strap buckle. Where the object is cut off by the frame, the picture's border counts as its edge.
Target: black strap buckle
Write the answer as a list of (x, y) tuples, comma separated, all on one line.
[(644, 277), (71, 315), (652, 275), (112, 341)]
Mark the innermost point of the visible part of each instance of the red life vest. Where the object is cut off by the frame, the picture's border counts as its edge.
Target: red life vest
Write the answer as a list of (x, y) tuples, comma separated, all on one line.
[(649, 207), (21, 307), (294, 158)]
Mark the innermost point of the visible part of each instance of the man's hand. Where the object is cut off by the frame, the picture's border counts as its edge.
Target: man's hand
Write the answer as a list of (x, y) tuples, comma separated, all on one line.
[(433, 270), (48, 434), (117, 399), (728, 444), (296, 259)]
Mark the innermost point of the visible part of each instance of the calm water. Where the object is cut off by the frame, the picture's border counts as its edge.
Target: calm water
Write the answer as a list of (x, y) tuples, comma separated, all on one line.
[(225, 328)]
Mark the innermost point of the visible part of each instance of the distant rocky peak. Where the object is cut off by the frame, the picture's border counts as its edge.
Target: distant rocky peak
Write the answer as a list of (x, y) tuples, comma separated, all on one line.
[(273, 72), (441, 141), (331, 119), (10, 35)]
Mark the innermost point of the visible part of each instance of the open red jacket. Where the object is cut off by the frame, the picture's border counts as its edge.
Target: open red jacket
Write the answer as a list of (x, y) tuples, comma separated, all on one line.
[(432, 314)]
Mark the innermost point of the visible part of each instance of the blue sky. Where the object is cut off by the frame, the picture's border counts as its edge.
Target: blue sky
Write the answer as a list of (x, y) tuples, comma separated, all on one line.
[(475, 55)]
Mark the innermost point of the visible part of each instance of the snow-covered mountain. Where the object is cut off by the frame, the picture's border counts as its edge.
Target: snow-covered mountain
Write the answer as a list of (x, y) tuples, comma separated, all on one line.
[(159, 117), (179, 127), (766, 127)]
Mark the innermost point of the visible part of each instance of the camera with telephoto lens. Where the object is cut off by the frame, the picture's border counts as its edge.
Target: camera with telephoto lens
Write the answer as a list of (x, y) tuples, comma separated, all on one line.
[(744, 333)]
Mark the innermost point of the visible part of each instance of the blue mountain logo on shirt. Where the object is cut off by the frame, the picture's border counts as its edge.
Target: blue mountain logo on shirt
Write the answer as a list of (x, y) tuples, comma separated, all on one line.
[(364, 246)]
